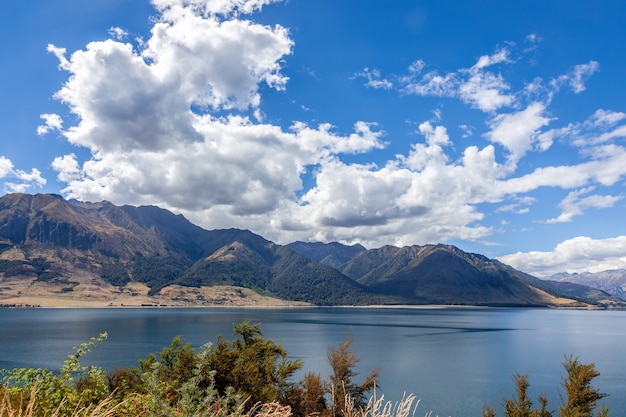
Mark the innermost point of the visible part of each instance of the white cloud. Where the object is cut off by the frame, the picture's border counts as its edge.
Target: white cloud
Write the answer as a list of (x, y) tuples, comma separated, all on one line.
[(374, 79), (25, 180), (431, 84), (60, 54), (417, 66), (476, 86), (28, 180), (51, 122), (128, 101), (594, 139), (485, 90), (323, 141), (577, 77), (418, 198), (177, 121), (350, 202), (146, 117), (580, 74), (533, 38), (580, 254), (519, 131), (67, 167), (467, 130), (606, 168), (574, 204), (519, 205), (601, 127), (6, 166), (118, 33), (605, 118), (208, 8)]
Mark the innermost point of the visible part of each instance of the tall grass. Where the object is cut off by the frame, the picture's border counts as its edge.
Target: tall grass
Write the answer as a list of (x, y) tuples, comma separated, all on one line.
[(378, 407), (26, 406)]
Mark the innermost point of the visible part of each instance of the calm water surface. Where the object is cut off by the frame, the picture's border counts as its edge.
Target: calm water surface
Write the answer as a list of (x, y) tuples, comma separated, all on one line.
[(453, 360)]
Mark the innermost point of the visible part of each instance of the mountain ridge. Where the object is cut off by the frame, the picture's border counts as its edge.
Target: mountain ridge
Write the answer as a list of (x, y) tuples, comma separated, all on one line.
[(610, 281), (77, 249)]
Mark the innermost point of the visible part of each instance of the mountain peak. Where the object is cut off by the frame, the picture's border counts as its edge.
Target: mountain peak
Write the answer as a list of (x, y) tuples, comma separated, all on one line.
[(68, 247)]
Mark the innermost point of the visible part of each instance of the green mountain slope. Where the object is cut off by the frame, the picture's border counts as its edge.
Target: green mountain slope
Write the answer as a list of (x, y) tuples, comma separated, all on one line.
[(48, 239), (444, 274), (67, 246)]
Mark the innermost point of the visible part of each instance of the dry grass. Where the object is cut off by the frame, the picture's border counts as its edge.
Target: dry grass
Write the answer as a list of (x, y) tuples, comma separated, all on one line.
[(269, 410), (106, 408), (21, 410), (110, 407), (30, 293), (377, 407)]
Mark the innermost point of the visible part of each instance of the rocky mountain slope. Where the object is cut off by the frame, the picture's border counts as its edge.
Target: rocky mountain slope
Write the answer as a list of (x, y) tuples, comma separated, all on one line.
[(612, 282), (68, 246), (445, 274), (68, 250)]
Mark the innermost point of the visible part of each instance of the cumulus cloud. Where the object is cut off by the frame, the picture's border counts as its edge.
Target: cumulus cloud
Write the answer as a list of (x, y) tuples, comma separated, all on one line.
[(349, 201), (576, 202), (483, 89), (17, 180), (580, 254), (519, 132), (6, 166), (176, 121), (147, 115), (51, 122), (67, 167)]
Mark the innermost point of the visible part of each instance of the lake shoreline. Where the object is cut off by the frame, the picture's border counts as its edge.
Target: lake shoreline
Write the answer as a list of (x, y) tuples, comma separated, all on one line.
[(137, 295), (42, 303)]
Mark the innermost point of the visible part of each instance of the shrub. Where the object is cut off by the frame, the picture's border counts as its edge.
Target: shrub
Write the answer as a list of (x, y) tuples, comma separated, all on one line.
[(246, 377), (580, 401), (343, 360), (74, 387), (249, 368), (256, 368)]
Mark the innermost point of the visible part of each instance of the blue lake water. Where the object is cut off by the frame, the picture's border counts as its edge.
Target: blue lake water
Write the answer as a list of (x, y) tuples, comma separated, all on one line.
[(453, 360)]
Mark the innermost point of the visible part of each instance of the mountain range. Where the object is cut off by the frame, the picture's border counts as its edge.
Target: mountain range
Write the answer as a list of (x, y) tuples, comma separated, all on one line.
[(612, 281), (80, 252)]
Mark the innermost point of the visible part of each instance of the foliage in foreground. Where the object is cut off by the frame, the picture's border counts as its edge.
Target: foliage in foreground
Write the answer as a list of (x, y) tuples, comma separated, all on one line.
[(580, 397), (247, 377)]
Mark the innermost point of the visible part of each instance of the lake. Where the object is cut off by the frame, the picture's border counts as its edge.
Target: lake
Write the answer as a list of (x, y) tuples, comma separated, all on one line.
[(451, 359)]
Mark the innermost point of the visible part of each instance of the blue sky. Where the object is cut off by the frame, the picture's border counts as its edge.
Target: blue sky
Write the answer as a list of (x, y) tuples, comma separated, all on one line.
[(496, 126)]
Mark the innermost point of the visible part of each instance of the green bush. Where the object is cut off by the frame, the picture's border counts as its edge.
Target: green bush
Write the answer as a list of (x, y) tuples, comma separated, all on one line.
[(580, 398), (73, 387), (249, 376)]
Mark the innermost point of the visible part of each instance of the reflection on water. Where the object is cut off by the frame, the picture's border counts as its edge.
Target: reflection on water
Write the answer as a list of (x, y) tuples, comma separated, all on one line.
[(453, 360)]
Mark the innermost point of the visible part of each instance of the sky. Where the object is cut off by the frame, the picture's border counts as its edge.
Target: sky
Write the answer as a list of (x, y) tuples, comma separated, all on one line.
[(498, 127)]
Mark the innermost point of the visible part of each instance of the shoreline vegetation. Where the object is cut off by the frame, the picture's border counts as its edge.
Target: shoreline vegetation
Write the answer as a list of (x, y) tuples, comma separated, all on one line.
[(136, 295), (249, 376), (178, 296)]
